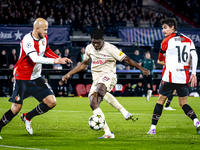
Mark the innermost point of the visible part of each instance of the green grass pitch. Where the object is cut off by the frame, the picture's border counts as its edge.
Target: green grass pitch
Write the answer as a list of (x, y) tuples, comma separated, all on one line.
[(66, 127)]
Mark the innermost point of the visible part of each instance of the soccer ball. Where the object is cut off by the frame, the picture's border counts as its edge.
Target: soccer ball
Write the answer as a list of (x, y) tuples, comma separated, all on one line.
[(96, 122)]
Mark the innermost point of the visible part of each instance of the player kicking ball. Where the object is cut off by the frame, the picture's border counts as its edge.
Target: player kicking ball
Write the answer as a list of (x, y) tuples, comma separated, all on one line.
[(27, 74), (103, 56), (178, 49)]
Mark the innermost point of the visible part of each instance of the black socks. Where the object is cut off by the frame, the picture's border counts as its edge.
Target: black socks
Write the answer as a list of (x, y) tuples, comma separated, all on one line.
[(7, 117), (157, 113), (40, 109), (189, 112)]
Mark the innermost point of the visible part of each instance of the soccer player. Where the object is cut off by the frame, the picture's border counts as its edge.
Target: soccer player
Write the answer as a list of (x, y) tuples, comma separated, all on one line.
[(103, 56), (161, 61), (178, 49), (27, 74)]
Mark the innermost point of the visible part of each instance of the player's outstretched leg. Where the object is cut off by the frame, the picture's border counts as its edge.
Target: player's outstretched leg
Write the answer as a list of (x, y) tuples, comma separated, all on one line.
[(191, 114), (40, 109), (108, 133), (113, 102), (9, 115), (156, 115)]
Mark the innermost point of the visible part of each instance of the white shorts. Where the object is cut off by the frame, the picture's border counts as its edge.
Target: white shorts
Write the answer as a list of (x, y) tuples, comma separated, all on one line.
[(109, 80)]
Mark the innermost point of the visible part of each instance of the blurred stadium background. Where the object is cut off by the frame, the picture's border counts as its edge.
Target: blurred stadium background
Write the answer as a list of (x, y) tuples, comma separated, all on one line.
[(129, 24)]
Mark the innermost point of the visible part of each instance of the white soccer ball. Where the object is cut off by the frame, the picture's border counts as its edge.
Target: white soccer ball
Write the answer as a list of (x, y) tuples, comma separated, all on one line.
[(96, 122)]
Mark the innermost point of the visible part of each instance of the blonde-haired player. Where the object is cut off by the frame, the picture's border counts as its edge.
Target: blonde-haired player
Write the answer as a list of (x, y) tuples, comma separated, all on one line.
[(27, 74)]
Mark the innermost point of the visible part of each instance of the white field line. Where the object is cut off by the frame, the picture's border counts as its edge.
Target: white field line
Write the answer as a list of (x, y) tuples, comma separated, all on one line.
[(168, 126), (21, 147), (106, 112)]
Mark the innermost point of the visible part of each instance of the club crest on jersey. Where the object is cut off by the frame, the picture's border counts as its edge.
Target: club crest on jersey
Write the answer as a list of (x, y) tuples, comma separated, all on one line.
[(121, 53), (17, 98), (104, 55), (28, 45)]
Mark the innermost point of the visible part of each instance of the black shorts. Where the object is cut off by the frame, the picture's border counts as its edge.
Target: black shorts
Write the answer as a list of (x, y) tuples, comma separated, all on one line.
[(37, 88), (167, 88)]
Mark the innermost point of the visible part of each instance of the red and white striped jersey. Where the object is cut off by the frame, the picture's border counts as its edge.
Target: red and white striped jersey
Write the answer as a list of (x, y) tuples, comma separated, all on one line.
[(25, 68), (177, 48)]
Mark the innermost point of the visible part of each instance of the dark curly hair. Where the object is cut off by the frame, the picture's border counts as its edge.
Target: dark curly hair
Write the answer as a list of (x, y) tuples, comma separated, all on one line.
[(97, 34), (170, 22)]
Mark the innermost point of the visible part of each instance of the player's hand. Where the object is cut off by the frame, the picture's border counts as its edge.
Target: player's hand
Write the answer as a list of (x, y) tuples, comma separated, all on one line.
[(145, 72), (62, 60), (193, 80), (67, 60), (65, 78)]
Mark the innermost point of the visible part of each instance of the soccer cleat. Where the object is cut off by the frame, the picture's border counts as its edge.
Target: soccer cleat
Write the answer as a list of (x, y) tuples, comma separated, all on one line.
[(168, 108), (1, 137), (149, 94), (106, 136), (198, 128), (27, 123), (128, 116), (152, 131)]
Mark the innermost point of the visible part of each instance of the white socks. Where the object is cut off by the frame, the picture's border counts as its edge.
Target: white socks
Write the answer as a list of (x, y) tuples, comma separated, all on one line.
[(98, 111), (113, 101), (195, 122), (153, 127)]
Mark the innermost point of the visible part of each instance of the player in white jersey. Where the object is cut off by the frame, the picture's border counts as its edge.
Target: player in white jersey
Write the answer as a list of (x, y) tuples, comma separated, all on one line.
[(178, 49), (161, 61), (103, 56), (27, 74)]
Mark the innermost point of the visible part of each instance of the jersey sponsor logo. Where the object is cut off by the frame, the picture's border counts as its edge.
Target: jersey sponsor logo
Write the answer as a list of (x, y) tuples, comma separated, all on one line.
[(99, 62), (105, 79), (182, 69), (179, 39), (121, 53), (28, 45)]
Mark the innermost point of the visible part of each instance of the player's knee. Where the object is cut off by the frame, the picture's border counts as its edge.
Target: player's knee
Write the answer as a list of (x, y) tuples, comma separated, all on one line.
[(181, 104), (15, 108), (101, 90), (50, 101), (182, 101)]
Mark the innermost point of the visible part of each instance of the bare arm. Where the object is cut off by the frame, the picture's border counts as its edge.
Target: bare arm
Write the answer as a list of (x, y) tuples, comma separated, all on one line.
[(161, 62), (134, 64), (193, 78), (78, 68)]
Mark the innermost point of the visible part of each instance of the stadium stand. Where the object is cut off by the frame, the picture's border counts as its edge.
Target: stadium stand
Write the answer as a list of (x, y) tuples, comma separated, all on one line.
[(110, 16)]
